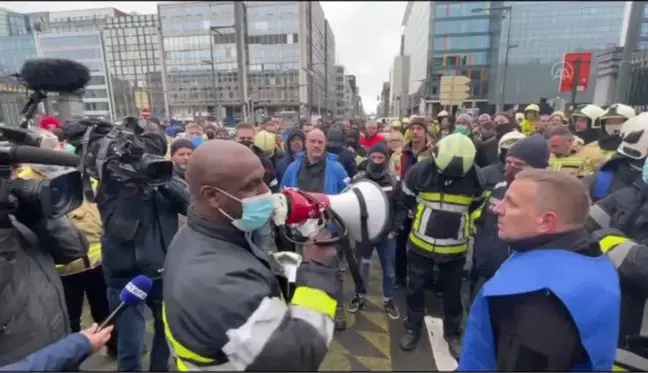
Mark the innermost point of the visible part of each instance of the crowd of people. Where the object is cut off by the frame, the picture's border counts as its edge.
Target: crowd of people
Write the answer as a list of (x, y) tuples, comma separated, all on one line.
[(502, 201)]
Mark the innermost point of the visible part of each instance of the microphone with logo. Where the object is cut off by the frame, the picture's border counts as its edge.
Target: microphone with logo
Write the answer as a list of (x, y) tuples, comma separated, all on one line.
[(134, 293)]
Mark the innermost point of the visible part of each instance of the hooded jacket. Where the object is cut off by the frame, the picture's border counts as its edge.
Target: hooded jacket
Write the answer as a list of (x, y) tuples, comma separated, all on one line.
[(289, 155), (337, 146)]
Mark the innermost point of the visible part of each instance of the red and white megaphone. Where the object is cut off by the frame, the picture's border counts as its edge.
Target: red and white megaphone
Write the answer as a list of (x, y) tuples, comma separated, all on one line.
[(361, 200)]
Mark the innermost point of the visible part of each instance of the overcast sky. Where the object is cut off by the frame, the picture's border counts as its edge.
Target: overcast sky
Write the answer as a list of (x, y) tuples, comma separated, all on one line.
[(367, 34)]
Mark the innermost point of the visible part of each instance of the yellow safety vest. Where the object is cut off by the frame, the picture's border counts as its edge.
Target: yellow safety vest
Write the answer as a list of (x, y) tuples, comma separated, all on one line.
[(87, 219), (432, 203)]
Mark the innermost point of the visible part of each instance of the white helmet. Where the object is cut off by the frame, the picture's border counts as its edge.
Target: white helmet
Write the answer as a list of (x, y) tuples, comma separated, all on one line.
[(508, 140), (634, 135), (620, 111)]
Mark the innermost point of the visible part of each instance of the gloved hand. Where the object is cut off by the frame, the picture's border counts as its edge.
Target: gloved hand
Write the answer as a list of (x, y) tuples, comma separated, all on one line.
[(280, 204)]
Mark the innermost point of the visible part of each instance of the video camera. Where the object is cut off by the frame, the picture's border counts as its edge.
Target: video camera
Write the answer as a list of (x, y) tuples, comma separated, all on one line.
[(118, 151)]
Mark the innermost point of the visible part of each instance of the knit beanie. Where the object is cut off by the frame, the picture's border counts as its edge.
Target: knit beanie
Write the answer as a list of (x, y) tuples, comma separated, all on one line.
[(49, 122), (379, 147), (533, 150), (181, 144)]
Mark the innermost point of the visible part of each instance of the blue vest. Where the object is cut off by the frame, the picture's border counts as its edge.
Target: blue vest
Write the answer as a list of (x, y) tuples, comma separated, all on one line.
[(588, 287), (602, 184)]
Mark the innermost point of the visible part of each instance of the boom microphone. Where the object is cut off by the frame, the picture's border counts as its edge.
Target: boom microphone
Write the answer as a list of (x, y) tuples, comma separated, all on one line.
[(54, 75), (134, 293), (29, 154)]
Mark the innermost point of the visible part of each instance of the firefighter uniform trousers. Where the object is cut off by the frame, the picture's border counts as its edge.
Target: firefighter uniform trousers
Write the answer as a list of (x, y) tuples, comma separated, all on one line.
[(439, 238)]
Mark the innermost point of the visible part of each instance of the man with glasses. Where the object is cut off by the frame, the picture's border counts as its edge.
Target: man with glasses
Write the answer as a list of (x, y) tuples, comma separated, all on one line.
[(489, 252)]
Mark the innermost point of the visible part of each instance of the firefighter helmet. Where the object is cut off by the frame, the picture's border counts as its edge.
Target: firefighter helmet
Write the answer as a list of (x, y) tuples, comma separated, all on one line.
[(620, 111), (590, 112), (508, 140), (265, 141), (442, 114), (519, 117), (634, 135), (455, 155), (532, 107)]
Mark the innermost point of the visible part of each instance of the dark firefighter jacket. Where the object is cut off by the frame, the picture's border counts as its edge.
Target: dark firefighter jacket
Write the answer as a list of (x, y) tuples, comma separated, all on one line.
[(441, 209), (224, 310), (33, 314), (139, 223), (625, 210), (617, 173), (631, 262), (489, 252)]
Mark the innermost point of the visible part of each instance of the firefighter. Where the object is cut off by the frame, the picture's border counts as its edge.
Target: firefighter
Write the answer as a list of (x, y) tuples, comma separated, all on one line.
[(494, 173), (631, 262), (625, 166), (568, 155), (557, 119), (583, 123), (531, 115), (610, 122), (489, 252), (442, 192)]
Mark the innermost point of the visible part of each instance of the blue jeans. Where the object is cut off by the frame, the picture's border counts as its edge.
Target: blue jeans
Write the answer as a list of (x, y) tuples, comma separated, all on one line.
[(262, 237), (387, 256), (132, 332)]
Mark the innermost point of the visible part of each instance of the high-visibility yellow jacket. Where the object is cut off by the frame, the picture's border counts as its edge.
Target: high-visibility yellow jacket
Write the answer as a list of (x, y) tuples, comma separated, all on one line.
[(582, 161), (86, 218), (528, 127)]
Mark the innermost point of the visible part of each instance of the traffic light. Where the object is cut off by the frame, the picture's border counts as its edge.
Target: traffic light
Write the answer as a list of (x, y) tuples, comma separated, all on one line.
[(454, 90)]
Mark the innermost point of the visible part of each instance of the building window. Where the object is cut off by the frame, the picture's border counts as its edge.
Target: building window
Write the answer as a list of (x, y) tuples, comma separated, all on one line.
[(461, 42), (459, 9), (461, 26), (68, 42), (95, 106), (644, 29)]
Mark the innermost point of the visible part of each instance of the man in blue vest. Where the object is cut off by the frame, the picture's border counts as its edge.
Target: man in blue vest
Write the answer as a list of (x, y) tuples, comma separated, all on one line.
[(554, 304)]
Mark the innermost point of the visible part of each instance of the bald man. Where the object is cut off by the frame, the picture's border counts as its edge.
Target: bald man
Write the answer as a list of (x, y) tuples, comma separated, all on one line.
[(223, 308), (318, 171)]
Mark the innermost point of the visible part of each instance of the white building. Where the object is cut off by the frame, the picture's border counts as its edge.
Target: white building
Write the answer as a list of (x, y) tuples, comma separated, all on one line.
[(84, 47), (399, 86)]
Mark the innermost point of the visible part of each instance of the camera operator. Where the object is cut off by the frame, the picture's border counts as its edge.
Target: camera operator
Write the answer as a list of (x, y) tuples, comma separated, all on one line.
[(139, 221), (32, 312)]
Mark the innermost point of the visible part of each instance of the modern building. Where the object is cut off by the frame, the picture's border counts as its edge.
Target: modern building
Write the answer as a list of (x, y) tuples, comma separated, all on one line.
[(13, 24), (287, 65), (399, 87), (340, 110), (134, 63), (535, 60), (75, 20), (447, 39), (470, 38), (84, 47), (643, 34), (330, 69), (15, 51)]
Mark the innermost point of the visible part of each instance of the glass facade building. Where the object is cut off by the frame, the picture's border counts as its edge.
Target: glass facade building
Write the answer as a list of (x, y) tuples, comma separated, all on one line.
[(539, 46), (15, 51), (133, 56), (84, 47), (13, 24)]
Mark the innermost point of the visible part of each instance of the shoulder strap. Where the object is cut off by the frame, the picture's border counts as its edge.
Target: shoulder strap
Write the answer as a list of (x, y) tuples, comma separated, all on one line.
[(602, 184)]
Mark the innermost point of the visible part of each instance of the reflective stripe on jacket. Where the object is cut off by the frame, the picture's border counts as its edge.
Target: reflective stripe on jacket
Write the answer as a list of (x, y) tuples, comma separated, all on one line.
[(631, 262)]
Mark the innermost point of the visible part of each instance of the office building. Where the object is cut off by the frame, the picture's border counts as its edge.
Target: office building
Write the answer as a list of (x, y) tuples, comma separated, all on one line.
[(84, 47), (339, 92), (75, 20), (15, 51), (539, 46), (330, 71), (399, 86), (13, 24), (285, 71), (446, 39), (643, 33), (133, 57)]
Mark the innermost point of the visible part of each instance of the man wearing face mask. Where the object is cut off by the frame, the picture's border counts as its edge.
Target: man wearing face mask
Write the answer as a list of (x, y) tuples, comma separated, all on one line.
[(610, 122), (489, 252), (377, 171), (442, 192), (223, 307)]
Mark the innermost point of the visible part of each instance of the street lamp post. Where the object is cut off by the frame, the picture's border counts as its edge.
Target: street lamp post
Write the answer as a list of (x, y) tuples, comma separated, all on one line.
[(503, 10)]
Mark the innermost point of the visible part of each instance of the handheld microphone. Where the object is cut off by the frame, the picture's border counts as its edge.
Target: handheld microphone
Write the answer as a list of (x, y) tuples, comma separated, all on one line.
[(134, 293), (54, 75)]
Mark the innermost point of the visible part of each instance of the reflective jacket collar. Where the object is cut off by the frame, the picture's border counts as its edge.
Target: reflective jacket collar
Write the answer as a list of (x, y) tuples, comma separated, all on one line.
[(212, 229)]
